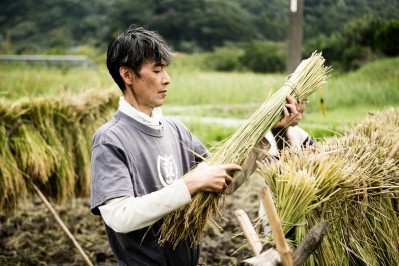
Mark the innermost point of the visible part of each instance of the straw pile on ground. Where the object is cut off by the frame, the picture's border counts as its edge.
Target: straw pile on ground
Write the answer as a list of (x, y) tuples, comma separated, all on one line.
[(309, 76), (47, 142), (350, 182)]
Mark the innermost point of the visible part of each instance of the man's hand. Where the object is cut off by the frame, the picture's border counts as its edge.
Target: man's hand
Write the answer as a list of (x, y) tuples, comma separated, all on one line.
[(290, 111), (210, 178)]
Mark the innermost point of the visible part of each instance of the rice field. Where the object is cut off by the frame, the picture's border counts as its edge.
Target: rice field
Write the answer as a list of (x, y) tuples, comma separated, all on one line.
[(48, 116)]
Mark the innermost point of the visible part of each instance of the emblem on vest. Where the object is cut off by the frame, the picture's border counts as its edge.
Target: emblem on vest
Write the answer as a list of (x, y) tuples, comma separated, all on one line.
[(167, 170)]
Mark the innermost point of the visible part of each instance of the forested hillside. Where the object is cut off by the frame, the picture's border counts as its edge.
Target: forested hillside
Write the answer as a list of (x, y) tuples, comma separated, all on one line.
[(28, 26)]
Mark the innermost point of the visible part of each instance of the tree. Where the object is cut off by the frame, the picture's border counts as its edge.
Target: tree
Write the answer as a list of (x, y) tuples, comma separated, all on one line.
[(205, 23), (387, 38)]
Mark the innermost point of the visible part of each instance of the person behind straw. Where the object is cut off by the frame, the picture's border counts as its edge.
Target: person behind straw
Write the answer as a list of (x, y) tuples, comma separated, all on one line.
[(289, 135), (285, 135), (295, 136)]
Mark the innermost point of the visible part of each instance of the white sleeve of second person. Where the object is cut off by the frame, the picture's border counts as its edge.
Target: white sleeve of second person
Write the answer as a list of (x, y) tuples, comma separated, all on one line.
[(300, 136), (126, 214), (273, 144)]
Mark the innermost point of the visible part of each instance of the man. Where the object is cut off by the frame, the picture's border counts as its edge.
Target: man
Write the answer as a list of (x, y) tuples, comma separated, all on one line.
[(141, 161)]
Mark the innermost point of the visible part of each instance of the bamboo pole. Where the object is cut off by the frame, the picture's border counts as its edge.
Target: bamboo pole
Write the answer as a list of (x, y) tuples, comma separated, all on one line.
[(63, 226), (277, 231), (249, 231)]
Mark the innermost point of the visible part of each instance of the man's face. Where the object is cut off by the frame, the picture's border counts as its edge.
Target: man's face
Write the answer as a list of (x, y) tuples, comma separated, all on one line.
[(150, 88)]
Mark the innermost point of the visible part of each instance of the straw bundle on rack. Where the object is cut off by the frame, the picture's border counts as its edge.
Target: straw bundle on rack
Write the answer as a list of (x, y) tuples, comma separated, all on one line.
[(349, 182), (309, 76), (47, 142)]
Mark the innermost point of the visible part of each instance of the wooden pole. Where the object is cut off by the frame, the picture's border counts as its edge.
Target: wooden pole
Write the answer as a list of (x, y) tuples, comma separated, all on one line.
[(61, 223), (277, 231), (295, 33), (249, 231), (311, 241)]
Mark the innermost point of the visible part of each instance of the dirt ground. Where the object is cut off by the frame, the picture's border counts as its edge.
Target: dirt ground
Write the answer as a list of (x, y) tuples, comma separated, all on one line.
[(31, 235)]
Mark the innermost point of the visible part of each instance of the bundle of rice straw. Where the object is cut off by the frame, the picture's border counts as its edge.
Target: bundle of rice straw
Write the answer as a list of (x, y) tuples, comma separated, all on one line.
[(310, 75), (349, 182), (46, 141)]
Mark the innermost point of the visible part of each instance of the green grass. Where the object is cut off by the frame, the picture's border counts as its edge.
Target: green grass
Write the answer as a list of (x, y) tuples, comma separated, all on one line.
[(348, 97), (193, 88), (20, 80)]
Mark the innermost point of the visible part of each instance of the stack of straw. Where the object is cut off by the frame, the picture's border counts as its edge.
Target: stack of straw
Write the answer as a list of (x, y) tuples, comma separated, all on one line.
[(47, 141), (350, 182), (309, 76)]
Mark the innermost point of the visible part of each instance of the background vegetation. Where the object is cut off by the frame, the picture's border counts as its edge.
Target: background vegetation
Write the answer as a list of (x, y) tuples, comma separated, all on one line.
[(349, 32), (348, 96)]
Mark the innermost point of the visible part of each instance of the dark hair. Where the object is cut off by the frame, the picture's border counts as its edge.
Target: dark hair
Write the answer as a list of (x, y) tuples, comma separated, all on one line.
[(132, 48)]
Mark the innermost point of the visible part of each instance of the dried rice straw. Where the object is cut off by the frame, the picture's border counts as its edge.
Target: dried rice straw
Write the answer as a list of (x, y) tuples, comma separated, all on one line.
[(348, 182), (46, 141), (310, 75)]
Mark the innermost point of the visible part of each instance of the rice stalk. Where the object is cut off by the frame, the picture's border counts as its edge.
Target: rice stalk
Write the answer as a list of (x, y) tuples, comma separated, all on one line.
[(32, 152), (43, 112), (382, 225), (82, 160), (12, 183), (309, 76)]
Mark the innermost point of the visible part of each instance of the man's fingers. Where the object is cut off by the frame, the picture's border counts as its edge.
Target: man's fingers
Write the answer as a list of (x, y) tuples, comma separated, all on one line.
[(228, 180), (291, 108), (292, 105), (231, 167), (291, 100), (285, 111)]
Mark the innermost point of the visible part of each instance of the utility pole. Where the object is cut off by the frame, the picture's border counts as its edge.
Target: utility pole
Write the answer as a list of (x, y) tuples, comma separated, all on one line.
[(295, 33)]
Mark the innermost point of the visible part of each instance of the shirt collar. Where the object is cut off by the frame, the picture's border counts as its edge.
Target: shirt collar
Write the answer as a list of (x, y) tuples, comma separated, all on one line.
[(153, 121)]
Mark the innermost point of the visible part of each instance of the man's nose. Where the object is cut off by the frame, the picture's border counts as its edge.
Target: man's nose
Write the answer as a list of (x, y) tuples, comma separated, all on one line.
[(165, 78)]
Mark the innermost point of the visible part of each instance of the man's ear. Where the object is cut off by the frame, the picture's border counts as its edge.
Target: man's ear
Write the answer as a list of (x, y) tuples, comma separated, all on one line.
[(126, 74)]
